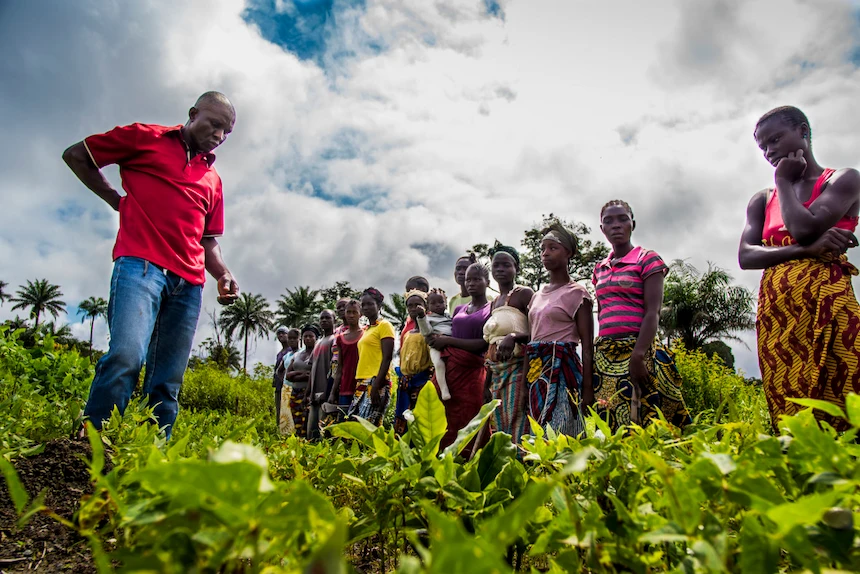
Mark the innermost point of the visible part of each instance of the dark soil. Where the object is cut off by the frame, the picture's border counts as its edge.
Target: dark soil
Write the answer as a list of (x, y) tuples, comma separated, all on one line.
[(45, 545)]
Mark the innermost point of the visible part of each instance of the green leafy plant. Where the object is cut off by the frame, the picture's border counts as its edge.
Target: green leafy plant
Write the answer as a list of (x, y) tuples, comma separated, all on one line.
[(229, 494)]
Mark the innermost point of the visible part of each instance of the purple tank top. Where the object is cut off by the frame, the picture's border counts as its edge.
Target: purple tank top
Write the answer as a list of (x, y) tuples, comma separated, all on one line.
[(465, 326)]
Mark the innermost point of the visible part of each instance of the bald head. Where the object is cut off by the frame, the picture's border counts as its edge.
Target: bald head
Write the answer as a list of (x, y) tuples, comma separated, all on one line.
[(210, 121), (216, 99)]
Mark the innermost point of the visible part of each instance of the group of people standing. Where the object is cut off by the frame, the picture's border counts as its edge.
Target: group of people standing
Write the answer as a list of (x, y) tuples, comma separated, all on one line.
[(534, 351)]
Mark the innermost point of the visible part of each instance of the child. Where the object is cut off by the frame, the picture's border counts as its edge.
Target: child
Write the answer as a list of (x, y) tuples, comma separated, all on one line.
[(436, 322)]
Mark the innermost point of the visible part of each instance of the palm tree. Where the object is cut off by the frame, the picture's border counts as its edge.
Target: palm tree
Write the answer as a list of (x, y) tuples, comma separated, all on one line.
[(223, 354), (700, 308), (395, 310), (298, 306), (15, 324), (250, 314), (92, 308), (3, 294), (62, 335), (42, 297)]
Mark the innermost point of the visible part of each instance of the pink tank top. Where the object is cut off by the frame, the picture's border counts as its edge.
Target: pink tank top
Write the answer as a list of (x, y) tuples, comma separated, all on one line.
[(775, 234)]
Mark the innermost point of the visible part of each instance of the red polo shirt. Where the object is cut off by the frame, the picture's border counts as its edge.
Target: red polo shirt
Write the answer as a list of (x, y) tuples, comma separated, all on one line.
[(172, 200)]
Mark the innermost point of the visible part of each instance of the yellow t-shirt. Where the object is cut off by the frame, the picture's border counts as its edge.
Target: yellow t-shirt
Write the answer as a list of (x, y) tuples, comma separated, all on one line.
[(414, 355), (370, 349)]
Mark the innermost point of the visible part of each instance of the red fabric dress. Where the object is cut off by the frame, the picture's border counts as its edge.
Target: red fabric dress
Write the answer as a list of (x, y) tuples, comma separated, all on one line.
[(775, 233)]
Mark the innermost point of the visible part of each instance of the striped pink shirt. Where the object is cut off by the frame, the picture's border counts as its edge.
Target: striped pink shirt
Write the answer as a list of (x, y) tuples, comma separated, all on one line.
[(620, 293)]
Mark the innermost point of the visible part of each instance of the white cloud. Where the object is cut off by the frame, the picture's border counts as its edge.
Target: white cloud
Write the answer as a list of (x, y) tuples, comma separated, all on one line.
[(464, 128)]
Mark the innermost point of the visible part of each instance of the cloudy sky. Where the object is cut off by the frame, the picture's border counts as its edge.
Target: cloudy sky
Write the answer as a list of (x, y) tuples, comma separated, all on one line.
[(378, 139)]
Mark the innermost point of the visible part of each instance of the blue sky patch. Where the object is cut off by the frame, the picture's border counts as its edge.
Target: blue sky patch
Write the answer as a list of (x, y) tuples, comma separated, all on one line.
[(345, 144), (364, 197), (854, 55), (70, 211), (303, 27), (494, 9)]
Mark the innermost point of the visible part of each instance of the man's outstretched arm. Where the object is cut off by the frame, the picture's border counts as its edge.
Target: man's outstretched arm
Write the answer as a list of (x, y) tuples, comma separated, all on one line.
[(79, 161)]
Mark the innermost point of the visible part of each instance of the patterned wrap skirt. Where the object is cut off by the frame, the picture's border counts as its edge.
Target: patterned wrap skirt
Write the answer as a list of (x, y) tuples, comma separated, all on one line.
[(807, 329), (554, 381), (507, 383), (298, 410), (613, 390), (286, 425), (466, 376), (363, 407)]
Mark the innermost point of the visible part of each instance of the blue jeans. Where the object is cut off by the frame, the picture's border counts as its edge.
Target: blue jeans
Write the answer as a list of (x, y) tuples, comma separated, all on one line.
[(152, 316)]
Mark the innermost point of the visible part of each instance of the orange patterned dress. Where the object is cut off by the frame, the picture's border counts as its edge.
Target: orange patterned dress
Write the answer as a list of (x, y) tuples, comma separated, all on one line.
[(807, 324)]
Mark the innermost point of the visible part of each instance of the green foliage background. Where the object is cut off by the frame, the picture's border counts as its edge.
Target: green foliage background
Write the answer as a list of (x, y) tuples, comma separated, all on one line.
[(228, 494)]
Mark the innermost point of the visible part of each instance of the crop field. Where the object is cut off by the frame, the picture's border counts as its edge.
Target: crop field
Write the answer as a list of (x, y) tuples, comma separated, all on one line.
[(229, 494)]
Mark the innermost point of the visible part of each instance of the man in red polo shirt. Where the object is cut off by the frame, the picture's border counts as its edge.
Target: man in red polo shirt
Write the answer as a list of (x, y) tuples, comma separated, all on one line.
[(169, 219)]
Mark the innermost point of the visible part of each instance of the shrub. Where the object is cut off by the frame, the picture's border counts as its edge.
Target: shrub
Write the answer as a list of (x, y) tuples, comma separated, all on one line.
[(209, 388), (708, 383)]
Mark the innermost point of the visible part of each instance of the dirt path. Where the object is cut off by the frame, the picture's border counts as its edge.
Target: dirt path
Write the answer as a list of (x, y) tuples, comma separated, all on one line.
[(45, 545)]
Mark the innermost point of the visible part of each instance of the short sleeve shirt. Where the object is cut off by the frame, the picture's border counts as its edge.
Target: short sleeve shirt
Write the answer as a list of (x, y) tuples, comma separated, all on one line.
[(172, 200), (370, 349), (552, 312), (620, 289)]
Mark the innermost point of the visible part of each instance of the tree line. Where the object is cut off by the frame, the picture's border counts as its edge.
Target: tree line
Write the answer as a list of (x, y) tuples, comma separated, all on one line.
[(701, 310)]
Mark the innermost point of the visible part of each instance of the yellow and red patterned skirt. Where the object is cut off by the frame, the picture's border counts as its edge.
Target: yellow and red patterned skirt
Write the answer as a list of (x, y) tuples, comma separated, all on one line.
[(807, 326)]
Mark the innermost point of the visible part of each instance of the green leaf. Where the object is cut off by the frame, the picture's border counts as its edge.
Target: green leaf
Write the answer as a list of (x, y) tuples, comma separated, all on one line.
[(805, 511), (579, 461), (670, 532), (468, 432), (36, 506), (329, 557), (231, 452), (444, 470), (599, 423), (755, 491), (97, 447), (506, 527), (828, 408), (16, 490), (494, 456), (758, 553), (512, 478), (852, 408), (430, 420), (536, 429), (352, 430), (178, 448), (455, 550), (724, 462), (708, 556)]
